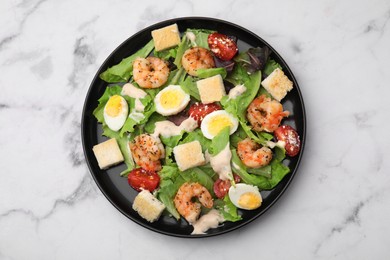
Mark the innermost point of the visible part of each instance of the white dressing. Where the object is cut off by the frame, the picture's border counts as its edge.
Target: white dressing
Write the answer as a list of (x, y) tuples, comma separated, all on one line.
[(167, 128), (272, 145), (191, 36), (207, 221), (130, 90), (236, 91), (136, 116), (221, 163)]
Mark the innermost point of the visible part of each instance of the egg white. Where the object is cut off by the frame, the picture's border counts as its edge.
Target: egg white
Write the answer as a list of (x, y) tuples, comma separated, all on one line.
[(116, 123), (214, 115), (174, 110), (236, 192)]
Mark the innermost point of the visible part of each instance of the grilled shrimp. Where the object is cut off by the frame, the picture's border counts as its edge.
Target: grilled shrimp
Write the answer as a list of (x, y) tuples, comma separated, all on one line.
[(184, 204), (252, 154), (147, 152), (265, 114), (151, 72), (197, 58)]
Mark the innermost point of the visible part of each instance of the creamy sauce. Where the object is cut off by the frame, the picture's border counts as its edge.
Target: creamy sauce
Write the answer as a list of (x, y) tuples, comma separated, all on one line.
[(191, 36), (167, 128), (131, 91), (207, 221), (136, 116), (221, 163), (236, 166), (236, 91), (280, 144)]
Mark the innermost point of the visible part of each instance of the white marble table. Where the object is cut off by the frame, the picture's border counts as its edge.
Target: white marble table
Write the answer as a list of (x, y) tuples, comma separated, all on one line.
[(337, 207)]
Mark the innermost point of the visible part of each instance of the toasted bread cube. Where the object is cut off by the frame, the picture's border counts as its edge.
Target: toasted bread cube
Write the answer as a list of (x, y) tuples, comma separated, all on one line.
[(277, 84), (166, 37), (108, 153), (148, 206), (189, 155), (211, 89)]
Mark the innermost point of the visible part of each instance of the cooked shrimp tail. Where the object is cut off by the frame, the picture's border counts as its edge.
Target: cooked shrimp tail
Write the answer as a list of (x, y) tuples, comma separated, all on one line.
[(252, 154), (184, 203), (147, 152), (151, 72), (265, 114), (197, 58)]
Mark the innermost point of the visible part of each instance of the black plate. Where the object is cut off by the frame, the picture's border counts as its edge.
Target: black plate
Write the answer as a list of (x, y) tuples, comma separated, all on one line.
[(116, 189)]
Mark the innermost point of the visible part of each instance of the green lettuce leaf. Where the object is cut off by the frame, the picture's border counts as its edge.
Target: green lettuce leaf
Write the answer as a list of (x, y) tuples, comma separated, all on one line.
[(99, 110), (123, 146), (151, 124), (171, 141), (278, 171), (270, 66), (197, 135), (206, 73), (239, 105), (135, 117), (238, 76), (189, 86), (166, 54), (220, 141), (227, 209), (123, 71)]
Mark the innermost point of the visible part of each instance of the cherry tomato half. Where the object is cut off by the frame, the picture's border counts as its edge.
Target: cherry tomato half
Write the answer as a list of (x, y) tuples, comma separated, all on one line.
[(288, 134), (199, 110), (222, 46), (141, 179), (221, 187)]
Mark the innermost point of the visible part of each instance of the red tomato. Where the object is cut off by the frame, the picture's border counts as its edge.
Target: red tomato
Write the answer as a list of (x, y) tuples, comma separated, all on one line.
[(221, 187), (288, 134), (141, 179), (199, 110), (222, 46)]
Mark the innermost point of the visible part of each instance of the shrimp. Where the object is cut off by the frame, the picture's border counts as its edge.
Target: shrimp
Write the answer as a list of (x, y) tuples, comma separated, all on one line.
[(265, 114), (252, 154), (197, 58), (147, 152), (151, 72), (183, 200)]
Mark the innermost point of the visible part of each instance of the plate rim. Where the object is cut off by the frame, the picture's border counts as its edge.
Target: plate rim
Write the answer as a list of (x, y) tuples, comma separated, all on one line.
[(204, 19)]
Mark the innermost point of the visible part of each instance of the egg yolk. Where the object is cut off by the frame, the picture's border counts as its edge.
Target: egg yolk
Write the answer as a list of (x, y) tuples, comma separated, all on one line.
[(216, 124), (249, 200), (114, 106), (171, 99)]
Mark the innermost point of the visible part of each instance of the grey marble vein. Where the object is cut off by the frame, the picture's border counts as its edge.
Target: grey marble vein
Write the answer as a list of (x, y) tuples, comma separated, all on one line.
[(84, 190), (378, 24), (83, 56), (30, 11)]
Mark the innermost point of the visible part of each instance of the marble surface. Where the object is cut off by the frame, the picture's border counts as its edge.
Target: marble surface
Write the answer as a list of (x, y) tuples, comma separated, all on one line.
[(337, 207)]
